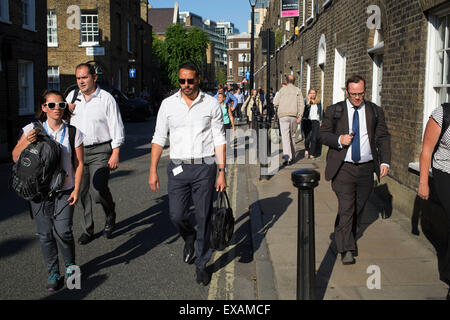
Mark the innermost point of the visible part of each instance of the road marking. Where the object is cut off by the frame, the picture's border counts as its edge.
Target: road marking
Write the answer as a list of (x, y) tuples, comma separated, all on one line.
[(228, 271)]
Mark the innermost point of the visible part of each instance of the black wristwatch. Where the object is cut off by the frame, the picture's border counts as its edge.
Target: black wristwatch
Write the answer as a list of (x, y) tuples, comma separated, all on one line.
[(223, 170)]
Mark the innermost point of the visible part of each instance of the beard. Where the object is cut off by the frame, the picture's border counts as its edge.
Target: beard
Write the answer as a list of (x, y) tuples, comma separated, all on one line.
[(190, 91)]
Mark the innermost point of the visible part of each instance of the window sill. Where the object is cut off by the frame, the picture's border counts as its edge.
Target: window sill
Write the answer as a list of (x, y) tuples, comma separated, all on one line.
[(5, 21), (29, 28), (86, 45), (52, 45), (414, 167)]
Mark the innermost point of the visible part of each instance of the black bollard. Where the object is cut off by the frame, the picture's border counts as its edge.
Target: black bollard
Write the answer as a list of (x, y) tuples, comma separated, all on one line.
[(306, 181), (264, 149)]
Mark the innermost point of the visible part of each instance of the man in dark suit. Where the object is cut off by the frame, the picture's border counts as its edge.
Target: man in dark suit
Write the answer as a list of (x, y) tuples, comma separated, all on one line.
[(359, 145)]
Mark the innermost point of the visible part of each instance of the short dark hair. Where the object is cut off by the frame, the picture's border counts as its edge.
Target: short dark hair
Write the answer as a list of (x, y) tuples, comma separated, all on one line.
[(90, 67), (190, 66), (355, 79)]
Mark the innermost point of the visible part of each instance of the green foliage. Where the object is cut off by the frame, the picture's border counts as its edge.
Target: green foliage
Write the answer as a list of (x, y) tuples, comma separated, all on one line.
[(180, 45), (278, 38), (221, 76)]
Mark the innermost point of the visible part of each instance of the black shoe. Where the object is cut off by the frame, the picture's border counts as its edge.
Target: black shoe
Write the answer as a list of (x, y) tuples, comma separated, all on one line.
[(347, 258), (85, 239), (287, 162), (202, 276), (188, 252), (109, 225)]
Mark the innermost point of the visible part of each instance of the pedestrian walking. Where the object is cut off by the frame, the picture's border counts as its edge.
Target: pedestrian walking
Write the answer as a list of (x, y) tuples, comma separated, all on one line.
[(436, 153), (97, 115), (252, 106), (290, 106), (195, 122), (54, 214), (230, 99), (228, 119), (240, 101), (312, 117), (359, 145)]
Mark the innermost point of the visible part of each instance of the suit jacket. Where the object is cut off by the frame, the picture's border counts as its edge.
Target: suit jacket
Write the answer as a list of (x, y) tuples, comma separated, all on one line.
[(379, 138)]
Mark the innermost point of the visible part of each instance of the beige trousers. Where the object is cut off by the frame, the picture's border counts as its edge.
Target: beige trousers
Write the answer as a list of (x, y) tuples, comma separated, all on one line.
[(288, 126)]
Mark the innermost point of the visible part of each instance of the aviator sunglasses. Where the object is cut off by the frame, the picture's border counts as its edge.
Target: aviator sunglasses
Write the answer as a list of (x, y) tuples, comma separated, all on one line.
[(189, 81), (52, 105)]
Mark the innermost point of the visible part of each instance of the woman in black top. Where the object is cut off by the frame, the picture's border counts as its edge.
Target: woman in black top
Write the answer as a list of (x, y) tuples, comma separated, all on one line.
[(312, 117)]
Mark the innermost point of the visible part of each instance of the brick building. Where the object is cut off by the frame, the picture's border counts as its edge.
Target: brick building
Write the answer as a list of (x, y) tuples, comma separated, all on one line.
[(402, 49), (23, 66), (238, 57), (114, 35)]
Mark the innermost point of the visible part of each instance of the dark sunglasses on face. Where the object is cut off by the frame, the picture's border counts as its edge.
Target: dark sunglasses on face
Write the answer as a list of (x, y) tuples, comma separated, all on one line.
[(52, 105), (183, 81)]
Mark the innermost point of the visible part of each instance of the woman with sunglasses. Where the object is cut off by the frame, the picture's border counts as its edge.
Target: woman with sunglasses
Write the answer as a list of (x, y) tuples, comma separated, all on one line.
[(54, 216)]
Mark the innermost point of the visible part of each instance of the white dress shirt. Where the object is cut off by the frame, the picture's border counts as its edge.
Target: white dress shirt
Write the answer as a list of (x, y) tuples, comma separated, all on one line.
[(98, 118), (66, 154), (366, 152), (240, 97), (314, 112), (194, 131)]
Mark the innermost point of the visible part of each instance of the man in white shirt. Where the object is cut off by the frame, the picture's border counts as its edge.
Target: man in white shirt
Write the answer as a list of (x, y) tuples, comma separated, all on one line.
[(195, 122), (240, 101), (97, 115)]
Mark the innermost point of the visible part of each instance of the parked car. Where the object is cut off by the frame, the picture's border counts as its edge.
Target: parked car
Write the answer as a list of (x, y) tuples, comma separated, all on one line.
[(134, 109)]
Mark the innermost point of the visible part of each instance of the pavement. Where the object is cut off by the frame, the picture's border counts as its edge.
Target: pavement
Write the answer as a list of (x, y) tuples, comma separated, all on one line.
[(406, 263)]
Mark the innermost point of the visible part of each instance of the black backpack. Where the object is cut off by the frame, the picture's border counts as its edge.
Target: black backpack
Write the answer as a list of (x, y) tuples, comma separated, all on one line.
[(32, 174), (222, 223)]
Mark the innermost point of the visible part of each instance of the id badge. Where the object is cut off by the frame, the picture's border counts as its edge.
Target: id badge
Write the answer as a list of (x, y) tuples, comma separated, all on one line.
[(177, 170)]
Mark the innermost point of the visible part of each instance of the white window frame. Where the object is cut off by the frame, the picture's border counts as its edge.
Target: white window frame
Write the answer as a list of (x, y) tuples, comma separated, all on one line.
[(53, 78), (230, 46), (434, 76), (308, 77), (52, 28), (26, 87), (90, 33), (4, 11), (340, 61), (243, 45), (241, 71), (29, 16), (241, 57)]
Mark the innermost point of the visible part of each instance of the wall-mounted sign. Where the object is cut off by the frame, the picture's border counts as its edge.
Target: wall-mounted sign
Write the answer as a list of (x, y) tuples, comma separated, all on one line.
[(95, 51), (289, 8), (132, 73)]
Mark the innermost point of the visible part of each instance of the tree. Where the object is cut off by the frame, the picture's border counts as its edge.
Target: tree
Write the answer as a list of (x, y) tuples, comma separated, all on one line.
[(221, 77), (181, 45)]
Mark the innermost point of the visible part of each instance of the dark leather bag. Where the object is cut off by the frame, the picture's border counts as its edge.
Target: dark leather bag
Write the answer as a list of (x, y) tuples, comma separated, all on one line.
[(222, 223)]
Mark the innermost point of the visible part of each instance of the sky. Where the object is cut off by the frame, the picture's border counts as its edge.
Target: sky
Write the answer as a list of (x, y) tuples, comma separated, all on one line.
[(235, 11)]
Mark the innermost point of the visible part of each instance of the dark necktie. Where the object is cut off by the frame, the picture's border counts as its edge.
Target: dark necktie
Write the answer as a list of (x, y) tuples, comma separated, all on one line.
[(356, 145)]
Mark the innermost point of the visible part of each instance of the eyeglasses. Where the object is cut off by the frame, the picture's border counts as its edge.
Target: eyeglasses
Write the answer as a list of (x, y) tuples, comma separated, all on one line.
[(52, 105), (357, 94), (183, 81)]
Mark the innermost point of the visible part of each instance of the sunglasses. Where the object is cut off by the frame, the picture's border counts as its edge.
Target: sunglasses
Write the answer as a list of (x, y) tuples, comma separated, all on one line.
[(183, 81), (52, 105)]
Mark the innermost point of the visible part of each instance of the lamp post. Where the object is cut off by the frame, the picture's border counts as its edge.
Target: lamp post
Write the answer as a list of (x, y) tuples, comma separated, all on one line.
[(252, 44), (142, 34)]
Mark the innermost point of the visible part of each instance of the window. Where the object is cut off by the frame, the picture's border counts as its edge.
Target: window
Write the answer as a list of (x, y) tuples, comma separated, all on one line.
[(230, 58), (244, 57), (257, 18), (53, 78), (26, 87), (308, 77), (339, 76), (89, 29), (4, 11), (231, 45), (243, 45), (241, 72), (52, 29), (28, 14), (437, 77), (230, 69)]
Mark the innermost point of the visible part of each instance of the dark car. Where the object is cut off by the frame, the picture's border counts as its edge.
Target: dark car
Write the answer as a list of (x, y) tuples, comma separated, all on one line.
[(135, 109)]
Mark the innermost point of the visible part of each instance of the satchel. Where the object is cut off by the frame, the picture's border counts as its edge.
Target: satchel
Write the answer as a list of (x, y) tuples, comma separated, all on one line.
[(222, 223)]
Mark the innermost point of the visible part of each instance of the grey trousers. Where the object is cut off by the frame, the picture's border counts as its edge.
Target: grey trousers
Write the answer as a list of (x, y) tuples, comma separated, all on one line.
[(55, 231), (197, 181), (288, 125), (94, 185)]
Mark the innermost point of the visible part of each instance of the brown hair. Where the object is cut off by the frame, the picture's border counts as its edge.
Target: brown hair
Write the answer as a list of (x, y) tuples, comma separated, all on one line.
[(355, 79), (41, 115)]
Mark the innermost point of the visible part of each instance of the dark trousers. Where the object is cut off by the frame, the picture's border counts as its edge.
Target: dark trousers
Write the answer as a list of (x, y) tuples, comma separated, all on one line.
[(311, 131), (94, 185), (441, 181), (196, 182), (55, 231), (353, 185)]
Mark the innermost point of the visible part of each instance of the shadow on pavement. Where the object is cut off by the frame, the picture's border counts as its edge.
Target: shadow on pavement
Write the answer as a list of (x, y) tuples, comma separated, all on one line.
[(13, 246)]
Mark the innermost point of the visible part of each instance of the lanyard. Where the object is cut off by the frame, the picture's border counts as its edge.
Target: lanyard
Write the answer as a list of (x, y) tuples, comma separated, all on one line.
[(63, 134)]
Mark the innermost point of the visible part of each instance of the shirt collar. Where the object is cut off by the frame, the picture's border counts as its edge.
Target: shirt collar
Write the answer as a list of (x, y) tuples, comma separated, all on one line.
[(351, 106), (50, 130), (200, 96)]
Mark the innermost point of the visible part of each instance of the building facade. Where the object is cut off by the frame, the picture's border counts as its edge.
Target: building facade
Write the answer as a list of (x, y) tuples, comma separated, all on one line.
[(23, 66), (238, 58), (400, 47), (113, 35)]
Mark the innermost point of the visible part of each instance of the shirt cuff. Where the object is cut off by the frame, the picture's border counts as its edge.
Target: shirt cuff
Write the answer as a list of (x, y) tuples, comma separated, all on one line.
[(339, 142), (385, 164)]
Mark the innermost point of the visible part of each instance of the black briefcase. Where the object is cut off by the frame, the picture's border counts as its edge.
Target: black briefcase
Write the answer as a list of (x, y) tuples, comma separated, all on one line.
[(222, 223)]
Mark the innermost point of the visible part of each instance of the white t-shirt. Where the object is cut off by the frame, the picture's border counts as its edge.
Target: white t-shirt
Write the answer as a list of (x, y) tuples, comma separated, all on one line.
[(442, 155), (66, 155)]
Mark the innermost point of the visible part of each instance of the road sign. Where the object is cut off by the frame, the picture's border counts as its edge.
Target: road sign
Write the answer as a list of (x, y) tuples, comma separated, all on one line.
[(244, 80), (247, 75), (132, 73)]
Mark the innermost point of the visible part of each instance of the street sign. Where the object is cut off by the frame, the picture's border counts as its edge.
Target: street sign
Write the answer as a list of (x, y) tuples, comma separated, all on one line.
[(132, 73), (247, 75), (244, 81)]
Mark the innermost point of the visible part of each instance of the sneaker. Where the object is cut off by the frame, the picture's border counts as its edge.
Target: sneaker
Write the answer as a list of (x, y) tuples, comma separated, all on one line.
[(53, 281), (68, 271)]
